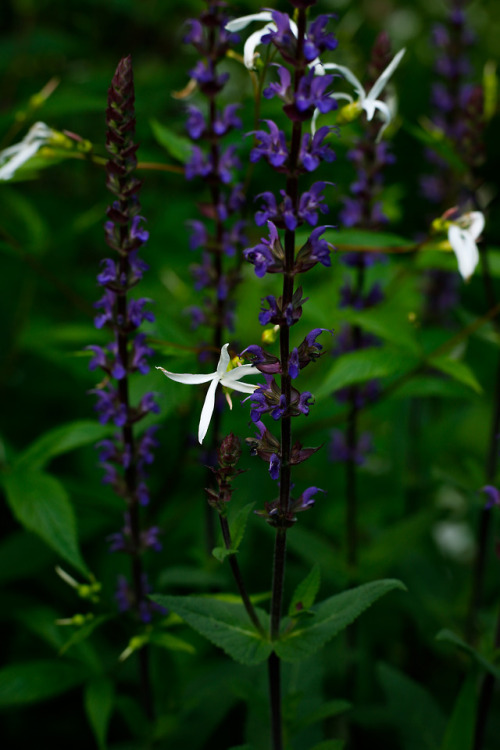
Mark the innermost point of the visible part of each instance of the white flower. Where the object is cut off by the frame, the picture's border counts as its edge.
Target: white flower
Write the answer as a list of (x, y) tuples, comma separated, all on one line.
[(462, 236), (221, 375), (254, 39), (15, 156), (367, 102)]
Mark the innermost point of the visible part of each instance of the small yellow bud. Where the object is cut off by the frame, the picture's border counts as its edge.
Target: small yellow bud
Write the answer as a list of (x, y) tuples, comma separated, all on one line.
[(349, 113), (269, 335)]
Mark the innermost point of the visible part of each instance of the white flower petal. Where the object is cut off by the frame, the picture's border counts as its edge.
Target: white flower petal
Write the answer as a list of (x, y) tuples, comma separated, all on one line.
[(476, 225), (239, 372), (241, 387), (381, 81), (223, 361), (465, 249), (207, 411), (188, 378), (349, 76), (237, 24), (252, 43), (15, 156)]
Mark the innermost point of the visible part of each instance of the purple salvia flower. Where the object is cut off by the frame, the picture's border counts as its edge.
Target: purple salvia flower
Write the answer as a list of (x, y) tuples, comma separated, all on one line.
[(272, 145), (313, 151)]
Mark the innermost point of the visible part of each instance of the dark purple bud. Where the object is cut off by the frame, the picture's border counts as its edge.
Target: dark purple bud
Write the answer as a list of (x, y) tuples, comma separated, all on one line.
[(274, 466)]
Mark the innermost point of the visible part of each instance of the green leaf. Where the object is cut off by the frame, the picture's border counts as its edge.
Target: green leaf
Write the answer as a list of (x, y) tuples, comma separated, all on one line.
[(60, 440), (330, 745), (98, 700), (325, 711), (34, 681), (171, 643), (425, 386), (433, 137), (40, 503), (82, 633), (305, 593), (331, 616), (413, 710), (225, 624), (178, 146), (460, 729), (457, 370), (364, 238), (220, 553), (482, 661), (367, 364), (238, 524), (386, 322)]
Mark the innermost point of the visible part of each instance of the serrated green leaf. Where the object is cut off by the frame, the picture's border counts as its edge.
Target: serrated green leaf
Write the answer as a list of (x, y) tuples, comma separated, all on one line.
[(40, 503), (98, 701), (331, 616), (35, 681), (459, 733), (414, 712), (456, 370), (305, 593), (225, 624), (60, 440), (178, 146), (171, 643), (220, 553), (482, 661), (238, 524), (366, 364)]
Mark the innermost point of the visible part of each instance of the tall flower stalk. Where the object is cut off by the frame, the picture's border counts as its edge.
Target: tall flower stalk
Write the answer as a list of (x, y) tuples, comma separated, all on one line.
[(219, 236), (301, 90), (125, 457)]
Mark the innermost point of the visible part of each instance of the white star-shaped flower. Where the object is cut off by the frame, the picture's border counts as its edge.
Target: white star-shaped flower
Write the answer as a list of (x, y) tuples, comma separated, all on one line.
[(254, 39), (462, 236), (15, 156), (365, 101), (227, 378)]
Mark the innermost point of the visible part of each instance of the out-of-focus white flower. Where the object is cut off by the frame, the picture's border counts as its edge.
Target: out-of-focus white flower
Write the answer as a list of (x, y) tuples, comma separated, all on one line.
[(229, 378), (15, 156), (454, 539), (254, 39), (367, 102), (462, 236)]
